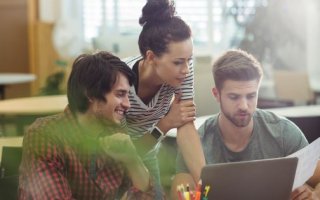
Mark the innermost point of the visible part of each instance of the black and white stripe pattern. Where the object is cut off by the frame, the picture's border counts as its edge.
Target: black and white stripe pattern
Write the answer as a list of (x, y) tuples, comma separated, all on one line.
[(140, 117)]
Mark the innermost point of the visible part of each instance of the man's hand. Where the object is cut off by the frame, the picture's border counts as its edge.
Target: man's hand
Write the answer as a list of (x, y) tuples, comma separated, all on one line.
[(119, 146), (304, 192)]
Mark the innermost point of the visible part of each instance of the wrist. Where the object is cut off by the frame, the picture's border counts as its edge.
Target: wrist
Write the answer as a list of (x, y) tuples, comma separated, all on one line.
[(157, 133), (164, 125)]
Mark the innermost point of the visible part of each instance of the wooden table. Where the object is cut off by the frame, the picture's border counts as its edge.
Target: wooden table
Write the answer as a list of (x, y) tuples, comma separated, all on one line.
[(298, 111), (13, 78), (34, 105), (306, 117), (10, 141), (23, 111)]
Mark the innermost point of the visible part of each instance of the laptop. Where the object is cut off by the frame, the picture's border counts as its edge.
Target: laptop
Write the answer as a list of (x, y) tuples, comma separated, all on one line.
[(267, 179)]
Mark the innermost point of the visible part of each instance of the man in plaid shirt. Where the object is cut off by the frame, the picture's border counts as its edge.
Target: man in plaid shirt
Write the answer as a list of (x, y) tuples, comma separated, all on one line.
[(82, 153)]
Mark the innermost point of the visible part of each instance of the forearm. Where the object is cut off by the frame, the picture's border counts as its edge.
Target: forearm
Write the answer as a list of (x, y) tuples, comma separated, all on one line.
[(139, 174), (317, 190), (190, 146)]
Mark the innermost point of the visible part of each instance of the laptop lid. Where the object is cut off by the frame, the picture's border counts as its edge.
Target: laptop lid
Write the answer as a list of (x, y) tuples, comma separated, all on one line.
[(250, 180)]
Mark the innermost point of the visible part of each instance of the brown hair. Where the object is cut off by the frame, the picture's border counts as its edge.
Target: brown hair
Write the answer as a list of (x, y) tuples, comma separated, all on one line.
[(236, 65), (160, 26)]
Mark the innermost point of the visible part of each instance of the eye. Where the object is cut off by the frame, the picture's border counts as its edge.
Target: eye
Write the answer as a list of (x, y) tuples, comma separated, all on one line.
[(251, 96), (177, 62), (233, 97), (121, 93)]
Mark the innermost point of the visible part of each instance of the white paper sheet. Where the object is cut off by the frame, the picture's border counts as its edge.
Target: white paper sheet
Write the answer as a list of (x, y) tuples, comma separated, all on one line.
[(308, 158)]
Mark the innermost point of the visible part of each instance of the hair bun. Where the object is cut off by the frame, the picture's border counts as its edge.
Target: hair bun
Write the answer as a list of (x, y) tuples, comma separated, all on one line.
[(157, 11)]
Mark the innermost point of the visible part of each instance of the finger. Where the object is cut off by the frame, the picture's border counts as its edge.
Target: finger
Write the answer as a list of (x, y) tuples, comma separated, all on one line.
[(177, 97), (189, 103), (186, 119), (187, 109), (301, 193)]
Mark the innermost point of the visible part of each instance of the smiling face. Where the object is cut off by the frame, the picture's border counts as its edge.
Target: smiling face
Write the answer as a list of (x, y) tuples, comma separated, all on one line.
[(172, 67), (116, 104), (238, 101)]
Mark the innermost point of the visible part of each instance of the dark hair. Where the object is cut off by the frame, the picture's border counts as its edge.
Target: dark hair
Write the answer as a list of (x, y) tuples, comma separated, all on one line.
[(236, 65), (160, 27), (92, 76)]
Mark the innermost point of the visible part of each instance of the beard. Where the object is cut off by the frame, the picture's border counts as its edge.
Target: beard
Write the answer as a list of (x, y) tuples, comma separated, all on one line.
[(240, 119)]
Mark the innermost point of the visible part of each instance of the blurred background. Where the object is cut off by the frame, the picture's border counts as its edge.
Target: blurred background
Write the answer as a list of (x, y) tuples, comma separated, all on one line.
[(40, 38)]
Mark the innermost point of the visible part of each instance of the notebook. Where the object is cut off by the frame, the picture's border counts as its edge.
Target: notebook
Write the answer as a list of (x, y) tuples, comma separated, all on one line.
[(250, 180)]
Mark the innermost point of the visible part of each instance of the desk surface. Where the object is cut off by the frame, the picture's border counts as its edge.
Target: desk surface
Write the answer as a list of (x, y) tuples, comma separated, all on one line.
[(10, 141), (15, 78), (34, 105), (296, 111)]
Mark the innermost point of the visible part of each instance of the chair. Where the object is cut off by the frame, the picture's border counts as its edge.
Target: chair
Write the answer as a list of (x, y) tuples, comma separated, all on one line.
[(310, 126), (9, 173), (293, 86)]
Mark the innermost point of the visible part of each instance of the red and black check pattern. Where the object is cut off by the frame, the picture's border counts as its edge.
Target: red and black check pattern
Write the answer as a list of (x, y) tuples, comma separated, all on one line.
[(58, 161)]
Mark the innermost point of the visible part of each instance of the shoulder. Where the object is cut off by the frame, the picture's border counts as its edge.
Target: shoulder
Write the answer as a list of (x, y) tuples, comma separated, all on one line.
[(280, 128), (42, 126), (130, 61), (47, 121), (207, 128), (277, 124), (270, 117)]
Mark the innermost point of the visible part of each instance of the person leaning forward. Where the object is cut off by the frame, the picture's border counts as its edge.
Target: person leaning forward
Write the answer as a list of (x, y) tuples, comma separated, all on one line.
[(83, 153), (240, 131)]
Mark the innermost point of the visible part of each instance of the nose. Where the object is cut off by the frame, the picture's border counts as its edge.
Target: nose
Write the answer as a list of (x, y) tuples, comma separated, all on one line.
[(126, 102), (185, 69), (243, 104)]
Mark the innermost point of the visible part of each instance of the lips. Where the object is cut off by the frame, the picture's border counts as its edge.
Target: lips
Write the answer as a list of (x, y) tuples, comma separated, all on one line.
[(242, 114), (120, 112)]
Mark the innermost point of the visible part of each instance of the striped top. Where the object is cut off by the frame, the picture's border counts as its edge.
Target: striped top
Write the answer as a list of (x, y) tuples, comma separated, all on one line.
[(141, 117)]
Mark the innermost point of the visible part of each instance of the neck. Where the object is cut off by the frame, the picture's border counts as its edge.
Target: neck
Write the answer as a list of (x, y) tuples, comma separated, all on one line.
[(148, 75), (149, 82), (235, 138)]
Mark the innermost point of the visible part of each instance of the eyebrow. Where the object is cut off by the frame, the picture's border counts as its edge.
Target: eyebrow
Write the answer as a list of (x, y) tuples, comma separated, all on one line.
[(231, 93), (122, 90)]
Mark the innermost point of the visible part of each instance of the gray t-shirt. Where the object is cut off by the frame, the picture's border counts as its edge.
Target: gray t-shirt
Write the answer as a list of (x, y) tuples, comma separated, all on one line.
[(273, 136)]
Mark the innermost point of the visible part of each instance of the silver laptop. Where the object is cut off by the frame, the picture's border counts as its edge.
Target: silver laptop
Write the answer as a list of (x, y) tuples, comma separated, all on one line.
[(268, 179)]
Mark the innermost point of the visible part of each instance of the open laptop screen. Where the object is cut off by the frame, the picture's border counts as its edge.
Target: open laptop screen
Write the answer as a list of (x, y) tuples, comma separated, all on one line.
[(250, 180)]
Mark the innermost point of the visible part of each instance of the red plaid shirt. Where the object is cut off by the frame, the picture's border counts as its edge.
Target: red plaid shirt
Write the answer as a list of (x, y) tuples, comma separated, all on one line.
[(60, 161)]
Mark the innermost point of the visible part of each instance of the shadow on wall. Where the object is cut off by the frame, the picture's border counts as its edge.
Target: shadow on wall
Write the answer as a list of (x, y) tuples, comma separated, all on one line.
[(203, 82)]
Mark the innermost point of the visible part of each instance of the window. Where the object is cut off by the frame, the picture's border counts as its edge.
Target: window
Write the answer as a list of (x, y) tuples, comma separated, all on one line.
[(215, 23)]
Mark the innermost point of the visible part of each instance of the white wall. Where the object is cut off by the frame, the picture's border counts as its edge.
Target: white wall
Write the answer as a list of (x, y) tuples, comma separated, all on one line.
[(204, 100)]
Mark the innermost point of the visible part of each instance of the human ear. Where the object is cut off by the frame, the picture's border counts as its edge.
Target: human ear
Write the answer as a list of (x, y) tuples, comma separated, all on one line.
[(150, 55), (216, 94)]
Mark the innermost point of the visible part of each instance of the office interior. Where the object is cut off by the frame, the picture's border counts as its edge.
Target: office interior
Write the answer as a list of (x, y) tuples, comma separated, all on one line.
[(42, 37)]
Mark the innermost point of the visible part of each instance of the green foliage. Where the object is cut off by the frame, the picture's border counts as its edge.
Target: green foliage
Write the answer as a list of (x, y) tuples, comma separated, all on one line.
[(53, 84)]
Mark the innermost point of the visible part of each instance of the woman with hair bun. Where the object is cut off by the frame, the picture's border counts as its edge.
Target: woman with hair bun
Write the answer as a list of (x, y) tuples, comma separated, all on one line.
[(162, 97)]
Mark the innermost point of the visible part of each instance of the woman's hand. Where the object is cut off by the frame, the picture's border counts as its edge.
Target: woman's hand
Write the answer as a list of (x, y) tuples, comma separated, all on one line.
[(180, 113)]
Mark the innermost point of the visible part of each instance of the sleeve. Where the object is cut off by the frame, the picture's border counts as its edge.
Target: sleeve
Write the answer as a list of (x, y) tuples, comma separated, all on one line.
[(136, 194), (294, 138), (42, 168), (187, 87)]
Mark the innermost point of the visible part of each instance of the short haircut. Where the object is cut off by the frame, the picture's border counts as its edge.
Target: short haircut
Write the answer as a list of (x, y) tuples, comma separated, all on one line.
[(93, 76), (236, 65)]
